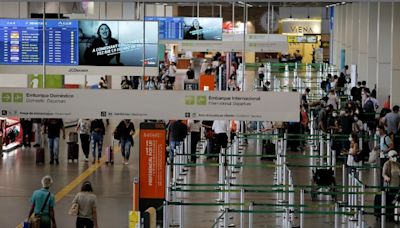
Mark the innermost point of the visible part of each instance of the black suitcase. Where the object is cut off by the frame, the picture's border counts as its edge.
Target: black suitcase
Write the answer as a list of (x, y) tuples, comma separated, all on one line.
[(212, 148), (268, 151), (39, 155), (73, 151), (378, 206)]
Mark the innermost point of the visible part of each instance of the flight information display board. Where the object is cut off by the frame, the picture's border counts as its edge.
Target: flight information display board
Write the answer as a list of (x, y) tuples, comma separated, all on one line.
[(62, 42), (21, 42), (79, 42), (170, 28)]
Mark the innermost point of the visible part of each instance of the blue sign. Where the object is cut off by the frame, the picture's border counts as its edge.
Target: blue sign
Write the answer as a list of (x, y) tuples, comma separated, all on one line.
[(21, 42), (170, 28), (62, 42)]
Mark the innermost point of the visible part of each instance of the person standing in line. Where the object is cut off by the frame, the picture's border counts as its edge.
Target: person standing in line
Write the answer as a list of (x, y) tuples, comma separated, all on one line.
[(43, 203), (126, 131), (53, 127), (87, 212), (97, 130), (391, 175), (177, 133), (83, 128), (221, 127), (194, 129)]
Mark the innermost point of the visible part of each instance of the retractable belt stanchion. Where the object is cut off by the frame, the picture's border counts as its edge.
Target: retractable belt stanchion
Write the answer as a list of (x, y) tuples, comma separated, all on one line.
[(344, 181), (337, 216), (221, 169), (181, 222), (383, 209), (167, 195), (251, 207), (321, 150), (302, 192), (180, 157), (242, 208)]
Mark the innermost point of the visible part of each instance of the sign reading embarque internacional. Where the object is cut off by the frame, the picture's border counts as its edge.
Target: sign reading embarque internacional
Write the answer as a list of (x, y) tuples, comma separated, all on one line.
[(139, 104)]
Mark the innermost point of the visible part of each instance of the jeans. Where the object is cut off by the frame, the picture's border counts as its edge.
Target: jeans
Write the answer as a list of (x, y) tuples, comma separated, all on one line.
[(54, 145), (173, 145), (125, 148), (97, 140), (84, 223), (85, 141)]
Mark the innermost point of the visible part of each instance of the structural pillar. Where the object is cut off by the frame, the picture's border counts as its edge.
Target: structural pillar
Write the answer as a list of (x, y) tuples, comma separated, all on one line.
[(355, 26), (336, 36), (372, 43), (384, 67), (395, 56), (349, 33), (363, 42), (342, 31)]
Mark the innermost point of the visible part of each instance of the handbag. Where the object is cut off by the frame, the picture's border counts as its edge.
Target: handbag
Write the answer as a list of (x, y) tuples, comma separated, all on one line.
[(34, 221), (74, 210)]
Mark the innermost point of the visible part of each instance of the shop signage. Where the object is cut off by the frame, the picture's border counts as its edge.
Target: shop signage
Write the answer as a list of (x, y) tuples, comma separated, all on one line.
[(159, 104), (301, 26)]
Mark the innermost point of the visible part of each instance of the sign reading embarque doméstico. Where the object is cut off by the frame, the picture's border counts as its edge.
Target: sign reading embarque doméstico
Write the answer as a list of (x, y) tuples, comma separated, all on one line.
[(136, 104)]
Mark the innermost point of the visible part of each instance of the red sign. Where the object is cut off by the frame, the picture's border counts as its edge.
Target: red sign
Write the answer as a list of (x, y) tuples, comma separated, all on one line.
[(152, 161)]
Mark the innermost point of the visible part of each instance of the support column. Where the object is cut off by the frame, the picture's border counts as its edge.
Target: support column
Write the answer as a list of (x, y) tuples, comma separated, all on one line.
[(355, 26), (336, 36), (349, 33), (384, 49), (363, 42), (342, 29), (372, 43), (395, 77)]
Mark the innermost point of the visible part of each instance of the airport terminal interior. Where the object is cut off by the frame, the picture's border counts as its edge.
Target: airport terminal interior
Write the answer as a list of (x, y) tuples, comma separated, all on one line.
[(199, 114)]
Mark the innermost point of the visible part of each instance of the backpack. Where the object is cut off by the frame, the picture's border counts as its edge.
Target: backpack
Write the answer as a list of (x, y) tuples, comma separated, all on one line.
[(369, 106)]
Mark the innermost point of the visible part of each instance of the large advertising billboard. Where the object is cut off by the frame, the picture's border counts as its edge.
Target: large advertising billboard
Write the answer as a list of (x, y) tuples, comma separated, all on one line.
[(120, 43)]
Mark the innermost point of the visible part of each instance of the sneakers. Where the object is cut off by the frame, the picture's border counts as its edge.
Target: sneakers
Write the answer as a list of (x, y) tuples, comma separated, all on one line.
[(86, 160), (126, 163), (51, 162), (93, 162), (57, 162)]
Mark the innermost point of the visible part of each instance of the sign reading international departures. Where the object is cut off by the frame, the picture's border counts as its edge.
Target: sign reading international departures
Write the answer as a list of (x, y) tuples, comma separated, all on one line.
[(210, 105)]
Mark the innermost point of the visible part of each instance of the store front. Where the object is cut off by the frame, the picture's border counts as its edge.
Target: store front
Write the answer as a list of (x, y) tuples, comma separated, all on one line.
[(304, 38)]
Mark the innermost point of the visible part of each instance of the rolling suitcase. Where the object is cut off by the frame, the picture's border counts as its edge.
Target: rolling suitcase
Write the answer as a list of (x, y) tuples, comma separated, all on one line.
[(39, 155), (110, 153), (73, 151), (268, 150)]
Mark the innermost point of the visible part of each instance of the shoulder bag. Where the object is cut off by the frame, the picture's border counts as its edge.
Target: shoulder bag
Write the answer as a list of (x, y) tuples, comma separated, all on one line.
[(35, 220)]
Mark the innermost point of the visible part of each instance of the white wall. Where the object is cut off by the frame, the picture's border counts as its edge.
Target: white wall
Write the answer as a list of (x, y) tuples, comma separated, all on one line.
[(14, 80)]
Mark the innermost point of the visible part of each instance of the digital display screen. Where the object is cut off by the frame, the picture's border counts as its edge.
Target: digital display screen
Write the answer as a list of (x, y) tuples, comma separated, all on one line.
[(189, 28), (21, 42), (202, 28), (61, 42), (118, 43), (170, 28), (302, 39), (78, 42)]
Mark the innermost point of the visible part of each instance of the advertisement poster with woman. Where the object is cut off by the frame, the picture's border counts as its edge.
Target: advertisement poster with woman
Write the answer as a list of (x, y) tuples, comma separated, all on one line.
[(202, 28), (117, 43)]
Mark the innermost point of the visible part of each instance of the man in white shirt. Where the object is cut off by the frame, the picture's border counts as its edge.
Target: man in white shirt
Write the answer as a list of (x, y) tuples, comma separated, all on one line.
[(221, 127)]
